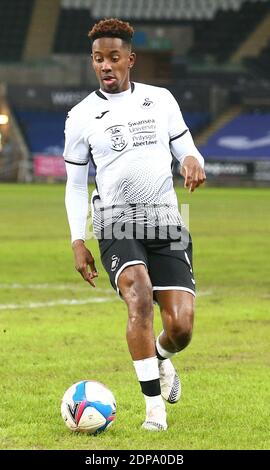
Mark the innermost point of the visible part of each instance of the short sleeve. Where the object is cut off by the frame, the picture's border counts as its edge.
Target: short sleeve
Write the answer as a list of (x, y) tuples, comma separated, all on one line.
[(76, 148), (176, 123)]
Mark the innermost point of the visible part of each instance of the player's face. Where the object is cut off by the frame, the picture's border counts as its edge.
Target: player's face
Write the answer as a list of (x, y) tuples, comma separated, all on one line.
[(112, 61)]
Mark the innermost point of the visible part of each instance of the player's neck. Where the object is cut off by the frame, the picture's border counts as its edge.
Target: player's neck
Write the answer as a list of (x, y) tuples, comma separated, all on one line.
[(117, 95)]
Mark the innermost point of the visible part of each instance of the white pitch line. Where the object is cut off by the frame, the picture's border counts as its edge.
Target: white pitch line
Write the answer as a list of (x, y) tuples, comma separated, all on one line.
[(74, 287), (56, 302), (52, 303), (203, 293), (50, 286)]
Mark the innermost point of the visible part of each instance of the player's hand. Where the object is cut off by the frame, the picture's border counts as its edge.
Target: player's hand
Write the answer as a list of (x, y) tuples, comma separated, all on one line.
[(193, 173), (83, 259)]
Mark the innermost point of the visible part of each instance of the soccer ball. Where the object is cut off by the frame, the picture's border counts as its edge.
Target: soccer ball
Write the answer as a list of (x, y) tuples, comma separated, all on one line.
[(88, 406)]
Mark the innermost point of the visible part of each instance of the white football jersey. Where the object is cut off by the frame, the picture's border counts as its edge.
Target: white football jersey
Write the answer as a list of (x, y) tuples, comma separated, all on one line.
[(128, 136)]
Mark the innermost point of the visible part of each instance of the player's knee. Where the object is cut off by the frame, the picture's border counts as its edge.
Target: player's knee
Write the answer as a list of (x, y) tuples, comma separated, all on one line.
[(181, 326)]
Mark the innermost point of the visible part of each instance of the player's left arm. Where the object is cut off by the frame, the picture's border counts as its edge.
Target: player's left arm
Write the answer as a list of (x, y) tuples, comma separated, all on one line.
[(191, 160), (193, 173), (182, 146)]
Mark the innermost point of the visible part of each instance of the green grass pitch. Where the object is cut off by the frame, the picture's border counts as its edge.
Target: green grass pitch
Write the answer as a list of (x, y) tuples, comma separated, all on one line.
[(47, 343)]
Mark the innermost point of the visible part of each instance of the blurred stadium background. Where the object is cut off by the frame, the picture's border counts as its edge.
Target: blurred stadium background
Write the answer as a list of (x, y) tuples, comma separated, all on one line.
[(214, 55)]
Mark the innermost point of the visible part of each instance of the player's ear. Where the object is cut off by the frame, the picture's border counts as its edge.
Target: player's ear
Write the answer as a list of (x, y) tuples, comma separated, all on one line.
[(132, 59)]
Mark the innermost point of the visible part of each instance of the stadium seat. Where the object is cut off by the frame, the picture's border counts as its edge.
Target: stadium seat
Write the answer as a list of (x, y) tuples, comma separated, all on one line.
[(244, 138), (227, 28), (158, 9), (14, 21)]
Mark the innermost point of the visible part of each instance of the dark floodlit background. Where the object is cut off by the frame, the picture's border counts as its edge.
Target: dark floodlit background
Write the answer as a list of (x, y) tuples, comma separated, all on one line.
[(55, 330), (214, 55)]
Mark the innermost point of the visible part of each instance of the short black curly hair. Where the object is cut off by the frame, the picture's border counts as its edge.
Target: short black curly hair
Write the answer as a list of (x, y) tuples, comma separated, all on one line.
[(112, 28)]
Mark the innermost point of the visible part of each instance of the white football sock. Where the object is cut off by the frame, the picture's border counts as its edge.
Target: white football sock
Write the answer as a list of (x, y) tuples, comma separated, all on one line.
[(161, 351), (148, 375), (151, 402), (147, 369)]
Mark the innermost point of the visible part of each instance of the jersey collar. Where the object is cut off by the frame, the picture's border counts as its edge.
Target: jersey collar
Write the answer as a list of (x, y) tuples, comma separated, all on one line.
[(102, 95)]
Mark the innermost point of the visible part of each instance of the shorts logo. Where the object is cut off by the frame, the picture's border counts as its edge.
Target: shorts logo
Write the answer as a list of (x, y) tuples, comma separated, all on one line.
[(115, 262), (117, 137), (147, 104)]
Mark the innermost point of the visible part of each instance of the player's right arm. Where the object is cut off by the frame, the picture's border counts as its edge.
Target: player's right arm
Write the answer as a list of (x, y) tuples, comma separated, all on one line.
[(76, 198)]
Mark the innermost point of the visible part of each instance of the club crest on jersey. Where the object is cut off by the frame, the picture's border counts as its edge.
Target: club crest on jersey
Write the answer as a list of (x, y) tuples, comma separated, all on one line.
[(147, 104), (117, 137)]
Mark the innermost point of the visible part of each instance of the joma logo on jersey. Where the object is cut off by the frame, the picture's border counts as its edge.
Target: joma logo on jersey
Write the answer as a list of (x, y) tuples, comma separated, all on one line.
[(102, 114), (147, 103), (117, 137)]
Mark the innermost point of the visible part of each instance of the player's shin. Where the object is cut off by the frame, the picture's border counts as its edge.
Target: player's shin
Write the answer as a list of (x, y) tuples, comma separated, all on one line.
[(162, 353), (169, 379), (148, 375)]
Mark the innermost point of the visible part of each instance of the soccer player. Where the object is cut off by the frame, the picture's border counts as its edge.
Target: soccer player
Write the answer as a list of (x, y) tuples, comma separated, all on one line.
[(129, 131)]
